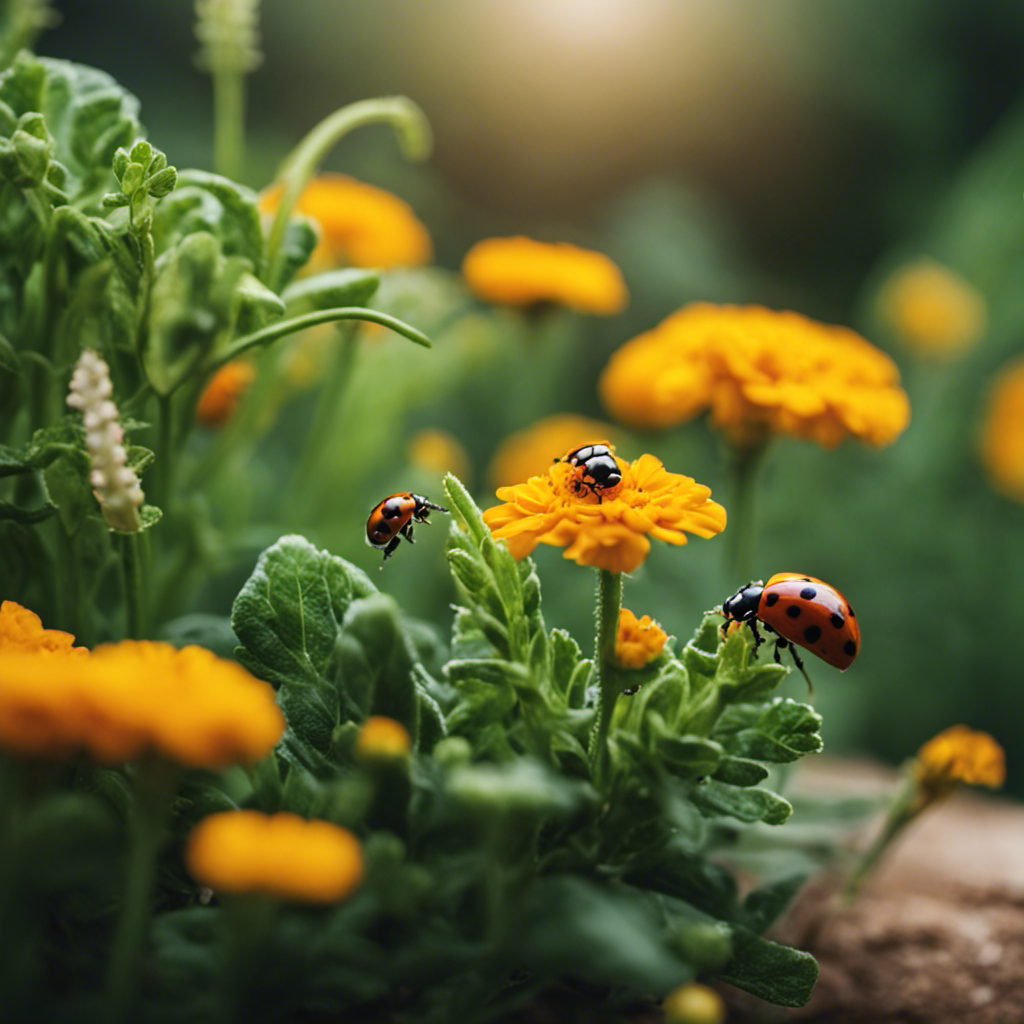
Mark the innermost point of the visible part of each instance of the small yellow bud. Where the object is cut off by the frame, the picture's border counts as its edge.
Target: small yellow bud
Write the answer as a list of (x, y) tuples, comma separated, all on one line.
[(694, 1004), (383, 739)]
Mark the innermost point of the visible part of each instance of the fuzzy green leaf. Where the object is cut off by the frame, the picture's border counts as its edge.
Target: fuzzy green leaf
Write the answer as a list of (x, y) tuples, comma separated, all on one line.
[(716, 798), (773, 972), (739, 771), (784, 731), (765, 903)]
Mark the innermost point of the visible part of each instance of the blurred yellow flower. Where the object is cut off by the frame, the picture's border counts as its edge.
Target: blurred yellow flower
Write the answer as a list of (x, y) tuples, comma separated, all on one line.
[(638, 641), (958, 754), (531, 452), (439, 452), (361, 225), (279, 855), (383, 738), (136, 696), (1002, 435), (220, 398), (523, 272), (759, 372), (610, 530), (693, 1004), (934, 311), (21, 632)]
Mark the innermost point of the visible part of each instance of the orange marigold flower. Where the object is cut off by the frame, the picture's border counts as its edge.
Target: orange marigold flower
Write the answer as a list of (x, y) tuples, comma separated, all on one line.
[(612, 531), (219, 401), (129, 698), (439, 452), (694, 1004), (21, 631), (638, 641), (1002, 436), (934, 311), (531, 451), (523, 272), (279, 855), (361, 225), (758, 371), (958, 754), (383, 738)]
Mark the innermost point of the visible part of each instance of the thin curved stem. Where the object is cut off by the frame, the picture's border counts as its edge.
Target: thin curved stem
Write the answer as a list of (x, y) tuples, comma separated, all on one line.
[(282, 328), (414, 136), (741, 536)]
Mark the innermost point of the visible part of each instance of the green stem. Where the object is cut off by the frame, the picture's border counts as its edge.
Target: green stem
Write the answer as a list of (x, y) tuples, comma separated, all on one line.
[(248, 924), (609, 603), (229, 123), (741, 536), (69, 586), (163, 464), (282, 328), (154, 787), (134, 586), (414, 137), (325, 416), (902, 812)]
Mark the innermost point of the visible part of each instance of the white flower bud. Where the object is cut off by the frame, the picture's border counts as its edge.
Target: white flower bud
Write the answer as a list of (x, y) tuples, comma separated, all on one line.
[(116, 485)]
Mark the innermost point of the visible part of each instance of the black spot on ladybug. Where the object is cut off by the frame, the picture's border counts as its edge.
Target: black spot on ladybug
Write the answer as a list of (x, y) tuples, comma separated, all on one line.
[(837, 620), (850, 648), (771, 600), (851, 612), (808, 593), (812, 634), (793, 611)]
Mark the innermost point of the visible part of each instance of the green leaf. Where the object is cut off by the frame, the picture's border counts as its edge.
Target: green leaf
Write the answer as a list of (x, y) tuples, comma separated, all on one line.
[(300, 239), (783, 732), (717, 798), (67, 483), (765, 903), (9, 359), (770, 971), (348, 287), (739, 771), (207, 202), (688, 756), (610, 936)]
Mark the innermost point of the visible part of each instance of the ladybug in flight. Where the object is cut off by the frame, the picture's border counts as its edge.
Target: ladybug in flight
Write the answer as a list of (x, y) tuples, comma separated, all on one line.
[(393, 519), (801, 611), (596, 468)]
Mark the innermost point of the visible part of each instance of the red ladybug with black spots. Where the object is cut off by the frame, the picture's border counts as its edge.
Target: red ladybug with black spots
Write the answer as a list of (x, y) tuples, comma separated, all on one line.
[(596, 468), (800, 610), (393, 519)]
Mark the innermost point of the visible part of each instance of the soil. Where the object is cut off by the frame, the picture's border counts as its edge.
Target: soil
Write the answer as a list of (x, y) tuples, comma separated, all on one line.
[(936, 935)]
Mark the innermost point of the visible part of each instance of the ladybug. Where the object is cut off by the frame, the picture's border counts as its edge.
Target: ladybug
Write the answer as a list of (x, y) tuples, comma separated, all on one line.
[(597, 469), (800, 610), (393, 519)]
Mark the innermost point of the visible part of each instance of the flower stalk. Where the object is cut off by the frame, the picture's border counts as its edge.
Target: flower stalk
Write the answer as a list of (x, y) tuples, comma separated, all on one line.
[(609, 604), (741, 538)]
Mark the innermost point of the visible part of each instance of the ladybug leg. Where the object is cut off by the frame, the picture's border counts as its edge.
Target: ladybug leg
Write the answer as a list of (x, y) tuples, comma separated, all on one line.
[(758, 639), (390, 549), (406, 532)]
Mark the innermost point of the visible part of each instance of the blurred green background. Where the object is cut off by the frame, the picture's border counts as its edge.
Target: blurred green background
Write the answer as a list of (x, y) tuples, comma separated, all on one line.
[(789, 154)]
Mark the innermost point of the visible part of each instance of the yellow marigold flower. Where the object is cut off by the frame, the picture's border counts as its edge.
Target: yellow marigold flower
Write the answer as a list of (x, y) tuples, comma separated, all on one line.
[(958, 754), (1002, 437), (129, 698), (610, 531), (934, 311), (758, 371), (279, 855), (220, 398), (530, 452), (361, 225), (21, 631), (693, 1004), (382, 737), (638, 641), (439, 452), (523, 272)]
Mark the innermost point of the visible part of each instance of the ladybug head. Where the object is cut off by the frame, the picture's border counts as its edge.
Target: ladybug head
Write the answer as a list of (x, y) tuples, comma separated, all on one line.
[(742, 606)]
